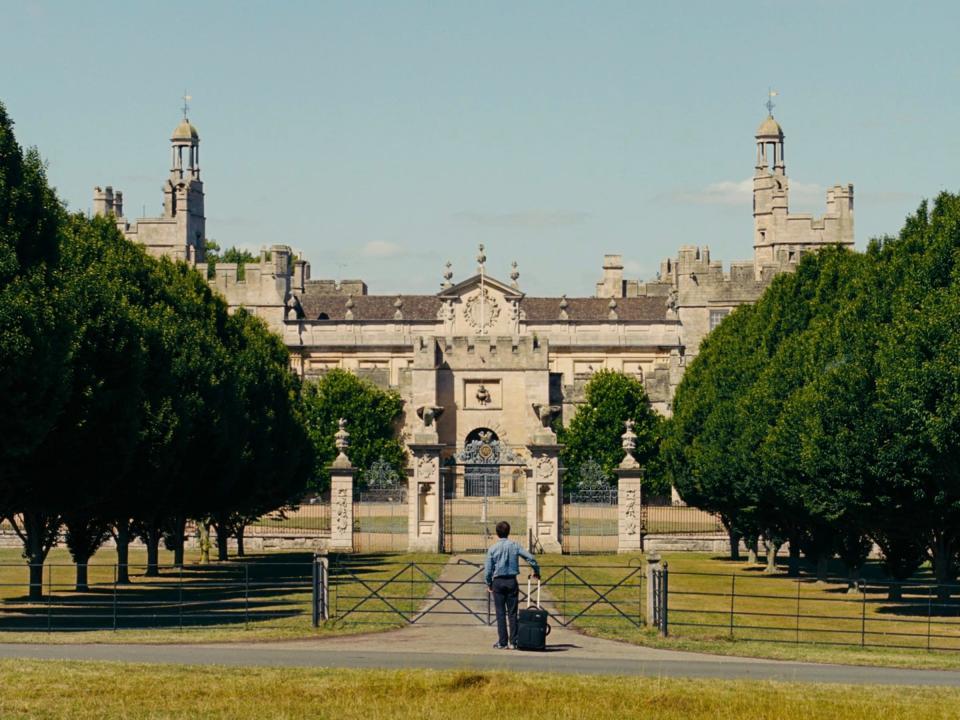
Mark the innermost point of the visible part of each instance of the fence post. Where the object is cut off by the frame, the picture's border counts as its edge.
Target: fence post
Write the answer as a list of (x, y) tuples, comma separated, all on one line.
[(863, 613), (180, 604), (49, 596), (664, 594), (653, 565), (929, 613), (116, 570), (733, 597), (315, 592), (798, 612), (325, 588), (246, 596), (321, 598)]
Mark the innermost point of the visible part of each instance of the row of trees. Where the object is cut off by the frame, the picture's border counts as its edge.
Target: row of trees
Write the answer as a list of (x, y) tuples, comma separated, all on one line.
[(828, 413), (130, 400)]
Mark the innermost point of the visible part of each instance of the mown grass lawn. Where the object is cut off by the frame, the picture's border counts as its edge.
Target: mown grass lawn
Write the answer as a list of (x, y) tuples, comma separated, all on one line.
[(84, 691), (263, 596), (832, 625)]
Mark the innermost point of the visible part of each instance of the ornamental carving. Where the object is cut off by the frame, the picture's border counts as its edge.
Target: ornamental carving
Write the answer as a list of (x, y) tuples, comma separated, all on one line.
[(490, 311), (341, 522), (427, 467), (487, 451), (545, 466), (630, 512)]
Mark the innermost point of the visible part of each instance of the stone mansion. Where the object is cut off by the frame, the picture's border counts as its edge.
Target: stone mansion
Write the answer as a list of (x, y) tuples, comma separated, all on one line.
[(480, 357)]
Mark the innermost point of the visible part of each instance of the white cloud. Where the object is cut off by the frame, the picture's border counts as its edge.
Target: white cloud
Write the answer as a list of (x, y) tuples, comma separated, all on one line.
[(524, 218), (381, 249), (740, 193)]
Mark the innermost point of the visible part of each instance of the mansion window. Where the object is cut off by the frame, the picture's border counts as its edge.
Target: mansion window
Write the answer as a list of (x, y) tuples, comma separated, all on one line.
[(716, 316)]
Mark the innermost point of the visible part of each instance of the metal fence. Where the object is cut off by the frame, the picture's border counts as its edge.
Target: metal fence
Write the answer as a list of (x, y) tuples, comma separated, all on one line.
[(679, 520), (194, 596), (308, 518), (380, 520), (803, 610)]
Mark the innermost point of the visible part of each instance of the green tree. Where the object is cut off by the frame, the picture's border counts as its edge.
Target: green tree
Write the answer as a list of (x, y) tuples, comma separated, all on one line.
[(702, 446), (35, 341), (373, 417), (594, 434)]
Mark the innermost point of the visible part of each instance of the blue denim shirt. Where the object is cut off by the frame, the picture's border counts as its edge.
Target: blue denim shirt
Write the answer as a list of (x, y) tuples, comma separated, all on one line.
[(502, 560)]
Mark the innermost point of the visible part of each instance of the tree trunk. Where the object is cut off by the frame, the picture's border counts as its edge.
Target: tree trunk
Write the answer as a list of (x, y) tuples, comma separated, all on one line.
[(81, 565), (122, 538), (896, 591), (793, 562), (204, 529), (37, 534), (36, 581), (823, 564), (734, 544), (853, 584), (240, 530), (771, 548), (222, 544), (942, 566), (752, 551), (178, 530), (152, 541)]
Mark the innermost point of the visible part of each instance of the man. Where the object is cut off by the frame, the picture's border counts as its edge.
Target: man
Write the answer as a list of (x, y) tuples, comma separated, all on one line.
[(501, 570)]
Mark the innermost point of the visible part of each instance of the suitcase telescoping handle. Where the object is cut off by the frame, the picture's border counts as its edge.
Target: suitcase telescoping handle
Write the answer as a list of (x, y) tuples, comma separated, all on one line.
[(529, 595)]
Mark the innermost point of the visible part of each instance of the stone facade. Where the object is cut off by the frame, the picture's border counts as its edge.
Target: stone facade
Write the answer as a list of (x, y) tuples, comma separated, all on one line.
[(480, 355)]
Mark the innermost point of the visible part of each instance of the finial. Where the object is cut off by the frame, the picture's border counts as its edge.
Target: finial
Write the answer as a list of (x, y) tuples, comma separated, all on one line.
[(514, 274), (771, 94), (447, 275), (563, 307), (348, 315), (612, 315), (341, 441), (481, 259), (186, 105), (629, 444), (398, 304)]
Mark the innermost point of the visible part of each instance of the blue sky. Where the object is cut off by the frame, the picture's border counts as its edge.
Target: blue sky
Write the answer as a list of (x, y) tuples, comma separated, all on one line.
[(383, 138)]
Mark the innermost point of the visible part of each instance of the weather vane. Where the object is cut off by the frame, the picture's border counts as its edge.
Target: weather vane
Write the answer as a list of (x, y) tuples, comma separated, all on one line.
[(771, 94), (186, 106)]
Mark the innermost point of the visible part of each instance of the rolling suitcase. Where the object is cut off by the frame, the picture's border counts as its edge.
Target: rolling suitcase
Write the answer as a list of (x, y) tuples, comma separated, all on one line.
[(532, 625)]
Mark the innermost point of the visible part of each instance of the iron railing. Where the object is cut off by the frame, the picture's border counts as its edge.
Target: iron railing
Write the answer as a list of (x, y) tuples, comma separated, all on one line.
[(803, 610), (192, 596)]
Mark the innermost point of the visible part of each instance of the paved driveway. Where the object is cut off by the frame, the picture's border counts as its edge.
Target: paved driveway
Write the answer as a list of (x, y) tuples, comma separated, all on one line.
[(454, 638)]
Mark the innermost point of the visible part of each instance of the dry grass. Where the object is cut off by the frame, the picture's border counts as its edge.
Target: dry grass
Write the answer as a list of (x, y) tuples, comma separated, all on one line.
[(83, 691)]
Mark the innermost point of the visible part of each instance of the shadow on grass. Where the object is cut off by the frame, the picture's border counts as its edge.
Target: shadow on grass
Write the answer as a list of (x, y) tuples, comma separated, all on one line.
[(247, 590)]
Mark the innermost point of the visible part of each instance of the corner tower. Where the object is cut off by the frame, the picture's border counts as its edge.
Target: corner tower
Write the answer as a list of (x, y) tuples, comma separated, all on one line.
[(779, 237), (183, 190), (180, 231)]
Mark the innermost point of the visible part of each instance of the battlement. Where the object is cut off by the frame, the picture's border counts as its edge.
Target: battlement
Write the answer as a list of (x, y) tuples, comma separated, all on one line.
[(494, 353), (342, 287), (106, 201)]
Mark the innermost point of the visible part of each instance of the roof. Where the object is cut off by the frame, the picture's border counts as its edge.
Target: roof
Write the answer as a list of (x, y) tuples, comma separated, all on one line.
[(769, 128), (426, 308), (185, 131)]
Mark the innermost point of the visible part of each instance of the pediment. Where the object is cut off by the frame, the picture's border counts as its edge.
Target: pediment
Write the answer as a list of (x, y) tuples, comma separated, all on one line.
[(472, 284)]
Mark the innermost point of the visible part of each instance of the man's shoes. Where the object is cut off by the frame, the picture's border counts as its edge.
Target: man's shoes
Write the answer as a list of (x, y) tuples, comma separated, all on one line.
[(513, 646), (499, 646)]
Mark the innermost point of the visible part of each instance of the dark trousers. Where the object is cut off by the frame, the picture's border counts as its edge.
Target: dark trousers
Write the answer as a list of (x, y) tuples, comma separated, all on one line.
[(506, 594)]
